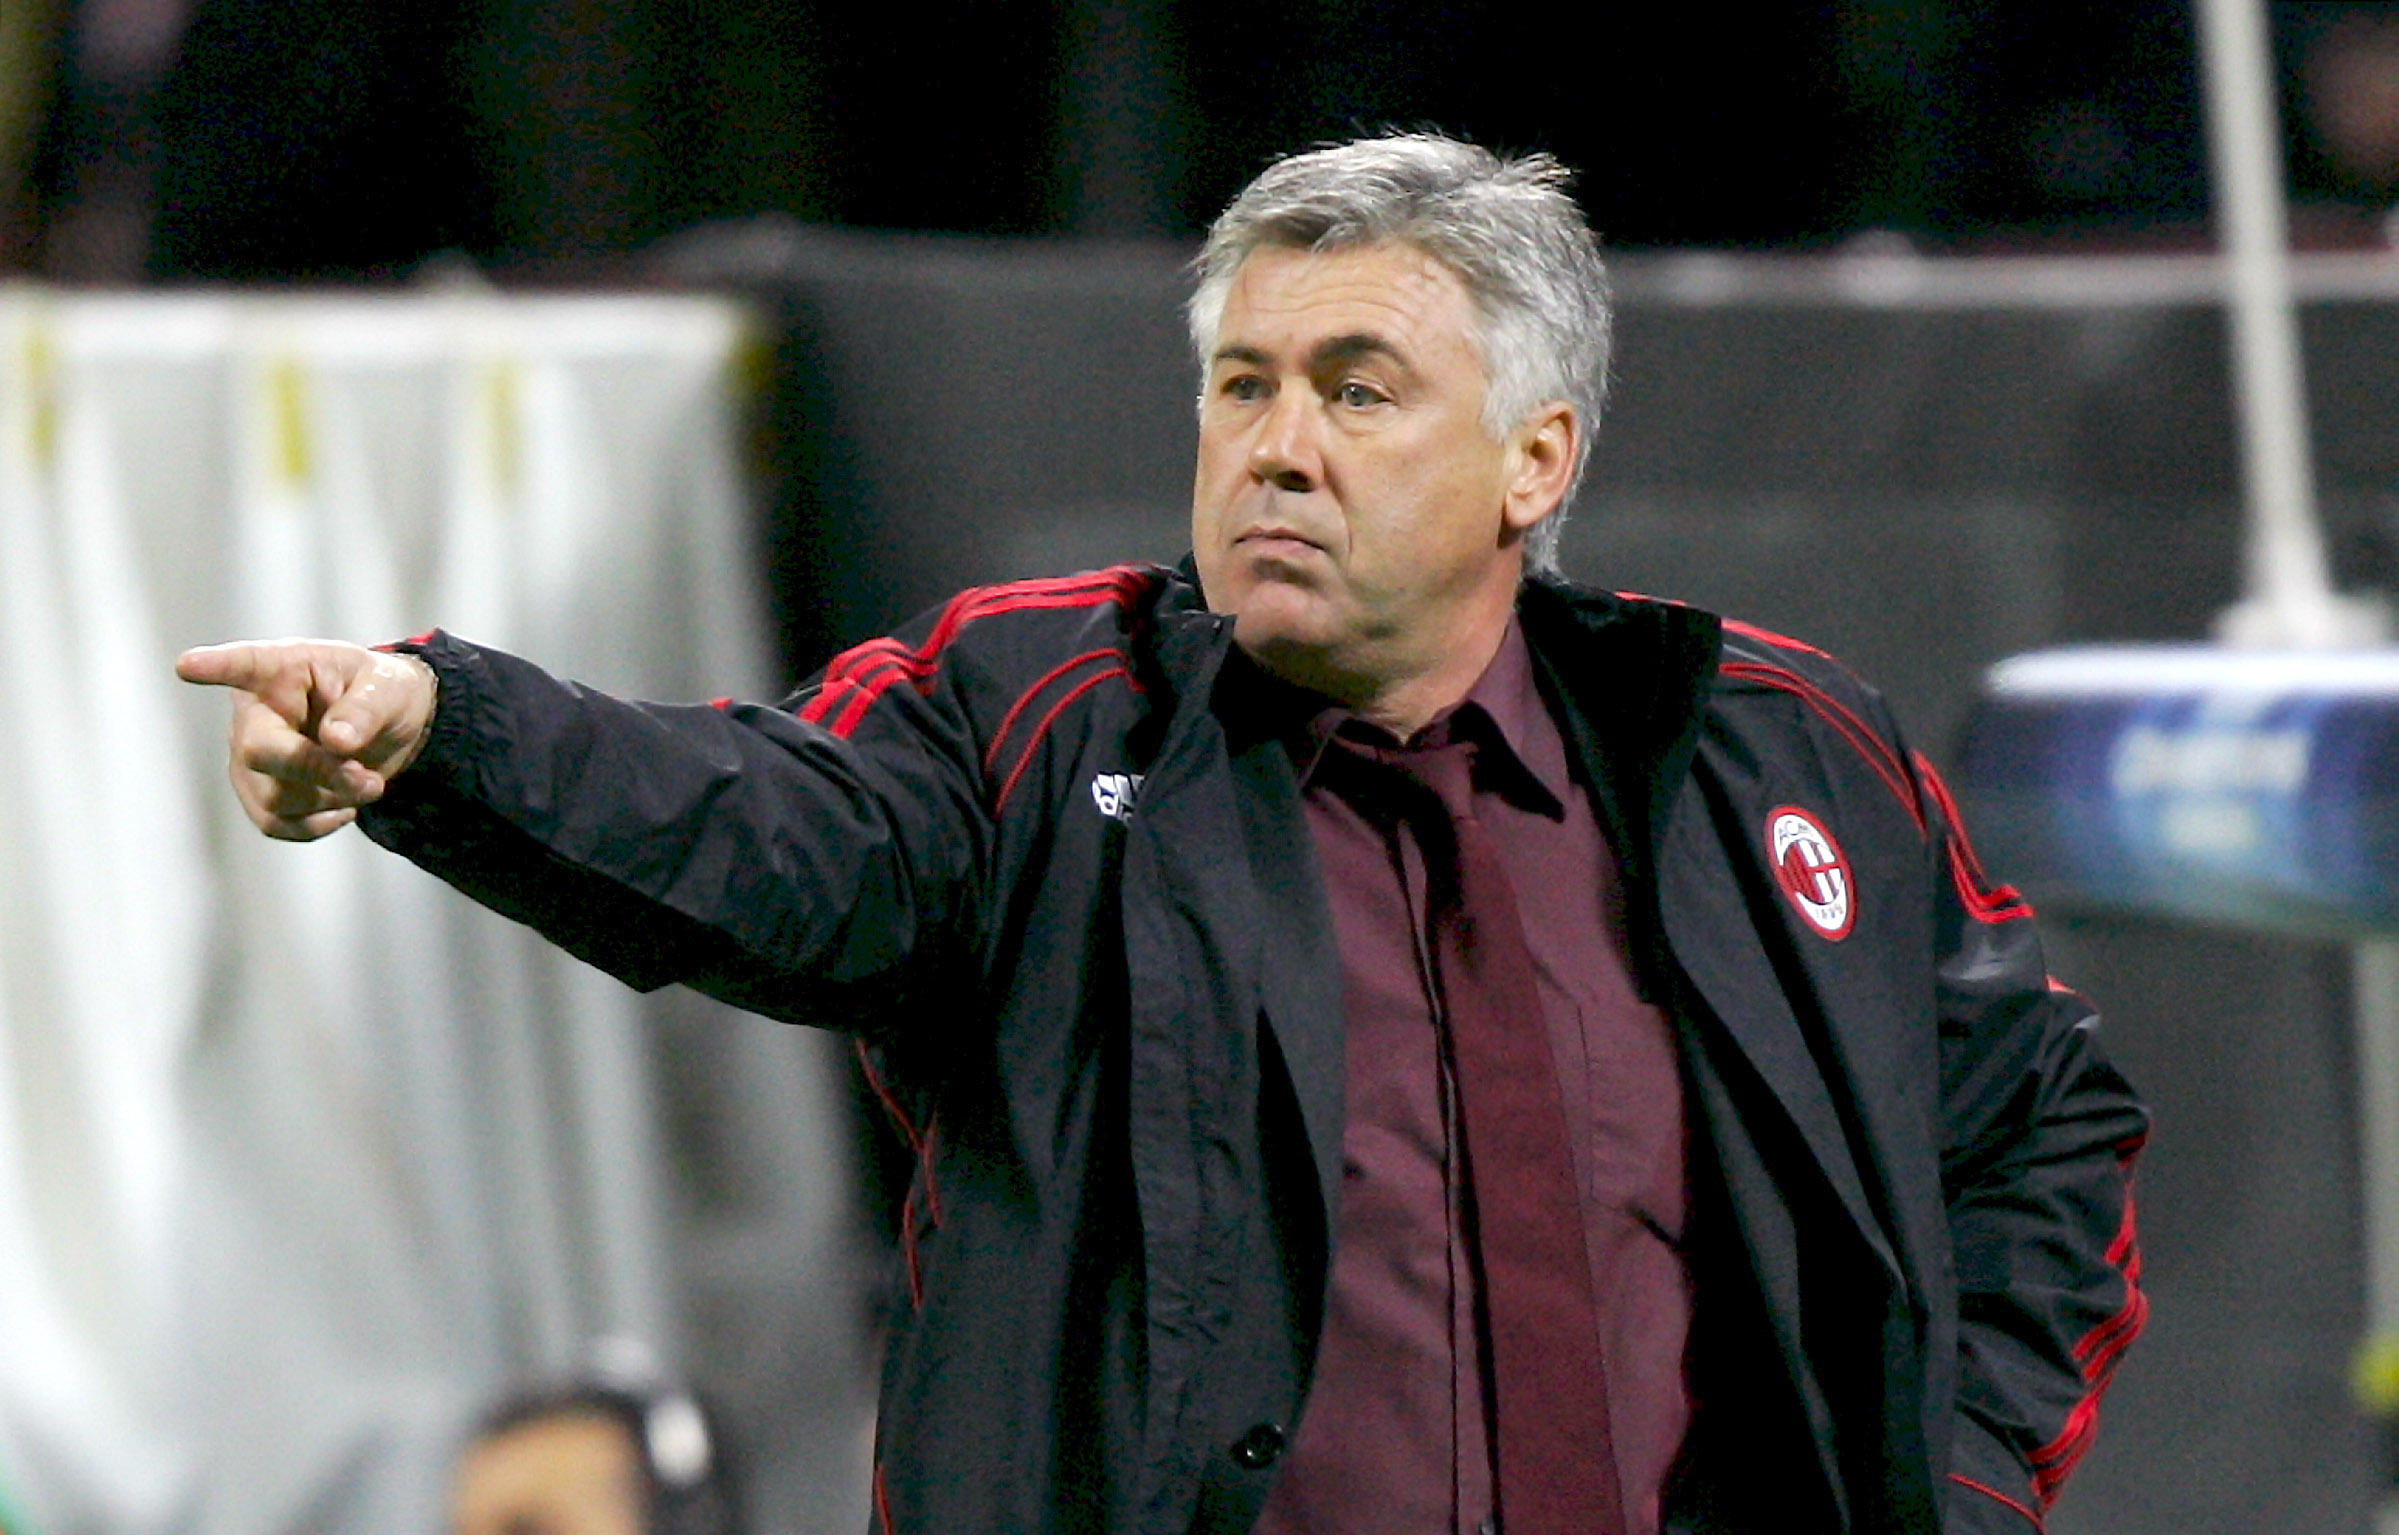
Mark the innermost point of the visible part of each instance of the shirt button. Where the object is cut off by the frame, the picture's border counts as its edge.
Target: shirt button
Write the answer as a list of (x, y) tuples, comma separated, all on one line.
[(1261, 1447), (1487, 1527)]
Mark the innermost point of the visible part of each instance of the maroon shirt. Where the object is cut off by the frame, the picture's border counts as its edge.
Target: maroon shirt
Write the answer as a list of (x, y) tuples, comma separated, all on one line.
[(1396, 1436)]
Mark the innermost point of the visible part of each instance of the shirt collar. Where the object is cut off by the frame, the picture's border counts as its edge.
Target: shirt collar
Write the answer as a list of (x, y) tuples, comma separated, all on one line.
[(1511, 699), (1522, 755)]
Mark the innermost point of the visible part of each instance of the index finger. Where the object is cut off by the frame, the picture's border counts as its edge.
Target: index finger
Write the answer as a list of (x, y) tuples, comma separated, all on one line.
[(244, 664)]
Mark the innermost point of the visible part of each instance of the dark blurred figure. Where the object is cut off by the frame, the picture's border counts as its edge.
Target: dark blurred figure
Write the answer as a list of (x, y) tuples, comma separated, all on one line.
[(78, 133), (2345, 62), (314, 139), (594, 1460), (30, 44), (2034, 122)]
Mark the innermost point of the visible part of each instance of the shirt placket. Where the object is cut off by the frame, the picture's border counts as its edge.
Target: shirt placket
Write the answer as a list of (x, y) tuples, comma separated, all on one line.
[(1470, 1452)]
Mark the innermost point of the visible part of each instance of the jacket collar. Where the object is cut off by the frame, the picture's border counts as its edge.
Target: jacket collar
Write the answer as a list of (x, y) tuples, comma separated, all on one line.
[(1630, 676), (1641, 665), (1192, 642)]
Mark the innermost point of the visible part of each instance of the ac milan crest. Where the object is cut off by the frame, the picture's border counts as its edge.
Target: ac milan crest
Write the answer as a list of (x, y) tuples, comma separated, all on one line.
[(1813, 871)]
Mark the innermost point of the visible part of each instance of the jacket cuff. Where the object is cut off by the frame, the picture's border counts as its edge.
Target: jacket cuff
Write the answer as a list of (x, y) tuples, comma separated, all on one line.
[(443, 758), (1989, 1491)]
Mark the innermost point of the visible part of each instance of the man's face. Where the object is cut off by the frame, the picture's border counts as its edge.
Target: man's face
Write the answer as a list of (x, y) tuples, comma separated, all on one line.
[(567, 1473), (1350, 509)]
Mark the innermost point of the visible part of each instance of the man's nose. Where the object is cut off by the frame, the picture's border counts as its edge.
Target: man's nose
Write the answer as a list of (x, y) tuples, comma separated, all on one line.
[(1286, 453)]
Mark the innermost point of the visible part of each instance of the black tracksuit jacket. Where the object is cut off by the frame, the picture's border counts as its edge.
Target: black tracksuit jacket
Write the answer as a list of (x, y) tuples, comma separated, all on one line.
[(1035, 855)]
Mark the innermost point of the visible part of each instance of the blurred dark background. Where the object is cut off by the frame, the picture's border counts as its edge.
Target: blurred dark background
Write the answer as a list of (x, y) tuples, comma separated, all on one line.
[(348, 139)]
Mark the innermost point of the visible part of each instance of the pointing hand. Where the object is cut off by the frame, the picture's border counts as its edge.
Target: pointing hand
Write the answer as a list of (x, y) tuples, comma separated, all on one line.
[(319, 727)]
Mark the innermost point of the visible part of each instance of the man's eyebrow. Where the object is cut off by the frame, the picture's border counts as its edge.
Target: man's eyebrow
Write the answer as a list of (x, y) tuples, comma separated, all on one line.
[(1336, 350), (1330, 352)]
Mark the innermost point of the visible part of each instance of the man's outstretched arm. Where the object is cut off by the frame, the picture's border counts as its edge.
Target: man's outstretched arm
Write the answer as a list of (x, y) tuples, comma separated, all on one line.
[(319, 727), (739, 849)]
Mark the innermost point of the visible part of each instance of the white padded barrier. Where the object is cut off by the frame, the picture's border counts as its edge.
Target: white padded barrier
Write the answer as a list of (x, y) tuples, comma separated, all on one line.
[(302, 1157)]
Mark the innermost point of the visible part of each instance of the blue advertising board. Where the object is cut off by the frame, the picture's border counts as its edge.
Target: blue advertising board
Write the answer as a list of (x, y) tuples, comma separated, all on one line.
[(2252, 787)]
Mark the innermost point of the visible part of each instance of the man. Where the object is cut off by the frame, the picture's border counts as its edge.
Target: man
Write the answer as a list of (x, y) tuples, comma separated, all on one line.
[(593, 1459), (1391, 1044)]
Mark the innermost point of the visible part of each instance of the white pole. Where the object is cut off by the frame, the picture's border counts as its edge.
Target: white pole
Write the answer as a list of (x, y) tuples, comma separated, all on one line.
[(2289, 599)]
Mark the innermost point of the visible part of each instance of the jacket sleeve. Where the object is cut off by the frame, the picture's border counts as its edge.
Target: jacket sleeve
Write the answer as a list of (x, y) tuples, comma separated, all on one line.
[(2039, 1137), (797, 869)]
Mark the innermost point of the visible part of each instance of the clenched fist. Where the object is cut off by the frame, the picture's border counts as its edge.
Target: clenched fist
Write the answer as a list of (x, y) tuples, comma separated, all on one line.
[(319, 727)]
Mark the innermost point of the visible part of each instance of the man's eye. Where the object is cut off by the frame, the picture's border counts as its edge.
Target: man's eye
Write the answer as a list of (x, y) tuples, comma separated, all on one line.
[(1358, 396), (1245, 387)]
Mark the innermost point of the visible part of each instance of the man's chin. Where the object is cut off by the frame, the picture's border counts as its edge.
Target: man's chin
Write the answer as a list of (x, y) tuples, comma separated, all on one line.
[(1300, 642), (1280, 615)]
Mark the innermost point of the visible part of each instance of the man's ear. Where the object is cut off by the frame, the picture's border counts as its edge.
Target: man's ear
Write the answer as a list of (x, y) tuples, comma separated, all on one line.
[(1541, 454)]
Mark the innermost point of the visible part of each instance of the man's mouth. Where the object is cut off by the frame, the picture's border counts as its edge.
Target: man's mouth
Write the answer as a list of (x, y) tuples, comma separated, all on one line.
[(1277, 542)]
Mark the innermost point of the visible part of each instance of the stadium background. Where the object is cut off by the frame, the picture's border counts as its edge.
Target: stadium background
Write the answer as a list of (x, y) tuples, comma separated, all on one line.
[(1920, 359)]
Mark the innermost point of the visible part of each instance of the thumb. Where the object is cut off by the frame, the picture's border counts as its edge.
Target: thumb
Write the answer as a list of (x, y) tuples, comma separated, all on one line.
[(383, 704), (344, 732)]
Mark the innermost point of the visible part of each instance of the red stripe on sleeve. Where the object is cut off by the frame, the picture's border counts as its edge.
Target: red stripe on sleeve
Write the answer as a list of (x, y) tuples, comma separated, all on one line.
[(1996, 1495), (1784, 641), (921, 1143), (2098, 1352), (841, 675), (871, 669), (1983, 900), (1878, 754)]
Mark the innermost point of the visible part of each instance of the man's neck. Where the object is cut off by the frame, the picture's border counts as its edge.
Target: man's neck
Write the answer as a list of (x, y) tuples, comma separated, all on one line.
[(1408, 705), (1400, 699)]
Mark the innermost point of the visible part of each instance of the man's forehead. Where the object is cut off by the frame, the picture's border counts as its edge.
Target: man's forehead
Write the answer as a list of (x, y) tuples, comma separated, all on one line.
[(1393, 291)]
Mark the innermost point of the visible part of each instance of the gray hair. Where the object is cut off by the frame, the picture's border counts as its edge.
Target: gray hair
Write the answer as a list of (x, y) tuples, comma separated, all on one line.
[(1506, 227)]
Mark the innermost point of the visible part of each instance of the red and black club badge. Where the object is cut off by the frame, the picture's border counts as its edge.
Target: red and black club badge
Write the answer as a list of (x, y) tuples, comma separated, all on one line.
[(1813, 871)]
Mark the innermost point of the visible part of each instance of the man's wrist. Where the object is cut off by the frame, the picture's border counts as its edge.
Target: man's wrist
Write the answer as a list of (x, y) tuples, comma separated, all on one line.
[(419, 683), (424, 730)]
